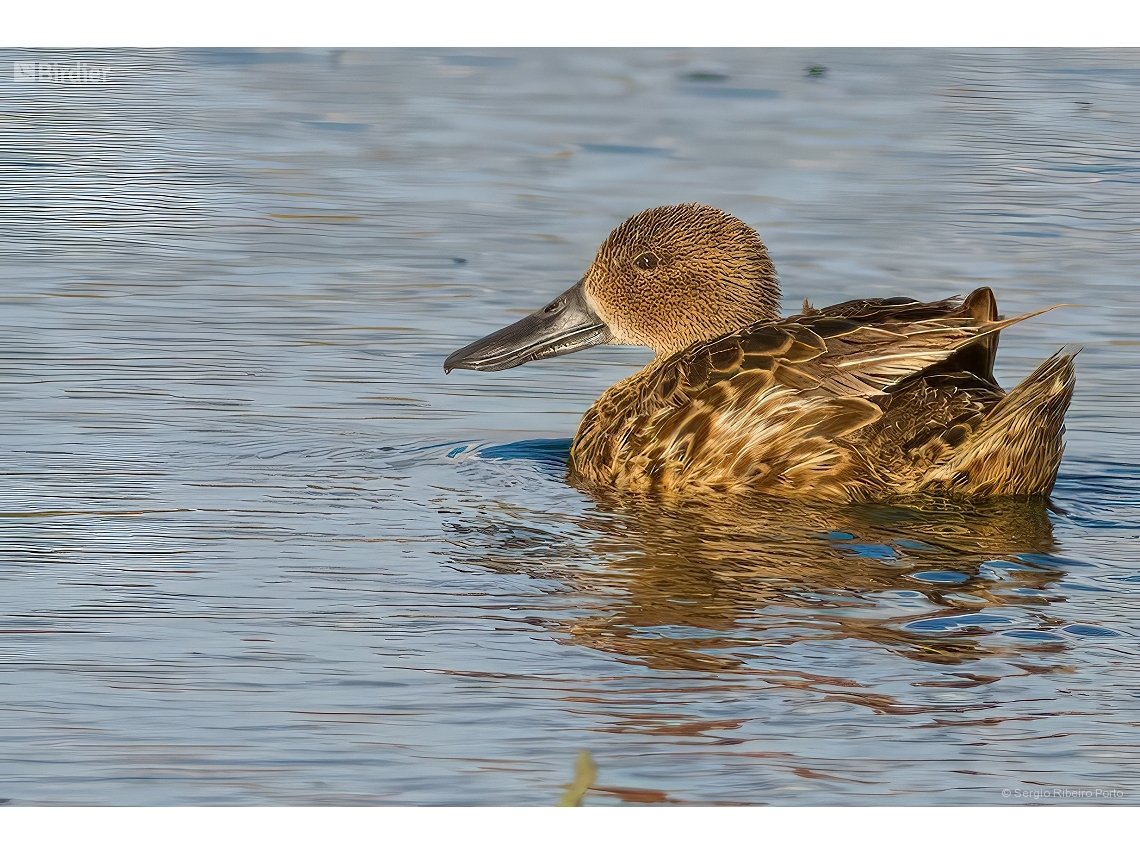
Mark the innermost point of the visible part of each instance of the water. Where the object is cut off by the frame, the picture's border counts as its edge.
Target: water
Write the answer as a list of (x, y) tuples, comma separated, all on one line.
[(256, 548)]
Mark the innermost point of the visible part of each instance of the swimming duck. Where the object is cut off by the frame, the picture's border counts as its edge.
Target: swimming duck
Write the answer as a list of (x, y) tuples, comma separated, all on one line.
[(860, 401)]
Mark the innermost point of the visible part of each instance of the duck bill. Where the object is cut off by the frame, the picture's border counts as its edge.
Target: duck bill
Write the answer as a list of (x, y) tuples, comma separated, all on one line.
[(567, 325)]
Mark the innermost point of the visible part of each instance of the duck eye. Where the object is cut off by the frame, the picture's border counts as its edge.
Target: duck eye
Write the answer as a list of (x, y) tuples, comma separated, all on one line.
[(645, 261)]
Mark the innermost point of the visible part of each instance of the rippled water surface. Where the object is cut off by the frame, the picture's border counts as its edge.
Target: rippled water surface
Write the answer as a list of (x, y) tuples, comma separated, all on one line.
[(256, 548)]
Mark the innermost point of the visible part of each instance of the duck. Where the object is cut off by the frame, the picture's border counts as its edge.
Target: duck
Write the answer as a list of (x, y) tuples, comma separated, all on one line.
[(863, 401)]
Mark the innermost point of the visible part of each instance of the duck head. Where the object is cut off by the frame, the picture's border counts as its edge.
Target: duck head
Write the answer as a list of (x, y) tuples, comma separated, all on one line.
[(664, 279)]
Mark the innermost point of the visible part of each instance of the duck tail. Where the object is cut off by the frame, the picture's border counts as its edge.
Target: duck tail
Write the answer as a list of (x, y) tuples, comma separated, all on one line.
[(1016, 450)]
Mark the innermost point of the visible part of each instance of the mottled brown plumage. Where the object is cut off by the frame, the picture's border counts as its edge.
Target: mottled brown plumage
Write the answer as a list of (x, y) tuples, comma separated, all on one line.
[(864, 400)]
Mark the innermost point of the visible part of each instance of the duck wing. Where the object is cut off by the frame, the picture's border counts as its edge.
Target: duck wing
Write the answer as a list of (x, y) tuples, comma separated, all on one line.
[(863, 348), (976, 358)]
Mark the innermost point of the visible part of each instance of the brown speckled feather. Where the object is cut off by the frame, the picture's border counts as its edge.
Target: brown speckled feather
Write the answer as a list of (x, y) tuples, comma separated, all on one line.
[(851, 402)]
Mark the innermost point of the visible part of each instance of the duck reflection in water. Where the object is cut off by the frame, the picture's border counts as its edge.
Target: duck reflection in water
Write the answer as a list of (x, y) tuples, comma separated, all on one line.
[(714, 585)]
